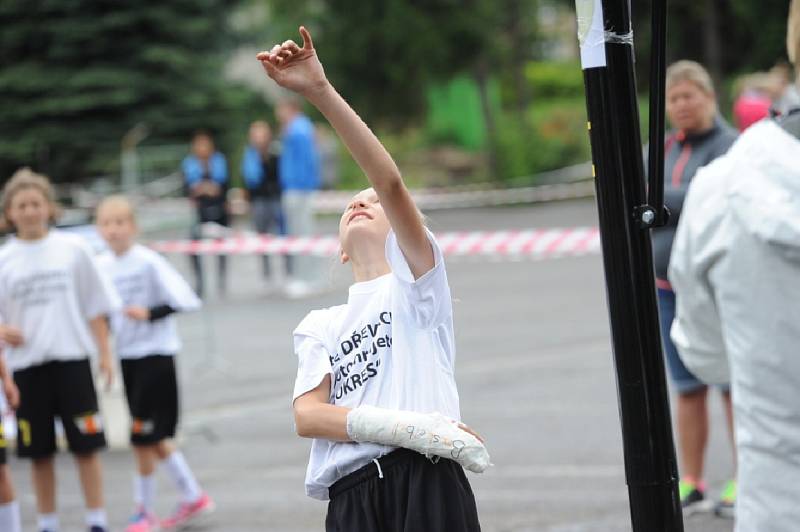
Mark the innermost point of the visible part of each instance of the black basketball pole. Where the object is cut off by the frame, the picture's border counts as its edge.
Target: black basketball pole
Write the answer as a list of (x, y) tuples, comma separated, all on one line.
[(626, 217)]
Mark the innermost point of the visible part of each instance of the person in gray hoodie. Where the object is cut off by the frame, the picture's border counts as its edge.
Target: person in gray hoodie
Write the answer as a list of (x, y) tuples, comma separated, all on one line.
[(736, 269), (698, 137)]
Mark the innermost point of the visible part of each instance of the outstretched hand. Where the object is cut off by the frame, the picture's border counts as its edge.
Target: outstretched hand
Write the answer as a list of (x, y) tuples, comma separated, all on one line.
[(295, 68)]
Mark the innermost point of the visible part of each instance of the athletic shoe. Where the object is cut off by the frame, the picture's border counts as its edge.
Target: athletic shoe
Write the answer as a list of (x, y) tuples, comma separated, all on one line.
[(692, 498), (726, 506), (142, 521), (96, 528), (188, 511)]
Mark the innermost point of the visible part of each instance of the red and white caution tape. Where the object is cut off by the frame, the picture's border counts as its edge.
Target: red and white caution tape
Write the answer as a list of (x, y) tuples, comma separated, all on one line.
[(529, 243)]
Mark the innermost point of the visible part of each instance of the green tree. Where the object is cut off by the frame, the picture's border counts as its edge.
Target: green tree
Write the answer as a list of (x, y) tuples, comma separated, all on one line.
[(76, 75), (729, 37), (382, 55)]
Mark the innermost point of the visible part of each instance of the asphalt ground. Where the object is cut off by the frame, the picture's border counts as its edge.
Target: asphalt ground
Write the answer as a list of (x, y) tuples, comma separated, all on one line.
[(535, 375)]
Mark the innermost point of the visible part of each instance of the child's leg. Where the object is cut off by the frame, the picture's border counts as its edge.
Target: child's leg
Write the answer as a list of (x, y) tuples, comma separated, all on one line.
[(9, 507), (76, 402), (6, 487), (144, 483), (179, 472), (36, 437), (195, 502), (90, 471), (164, 449), (44, 484), (147, 458)]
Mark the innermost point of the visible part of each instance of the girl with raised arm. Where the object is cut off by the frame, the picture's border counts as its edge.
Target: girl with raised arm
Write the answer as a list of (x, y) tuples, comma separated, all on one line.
[(375, 386)]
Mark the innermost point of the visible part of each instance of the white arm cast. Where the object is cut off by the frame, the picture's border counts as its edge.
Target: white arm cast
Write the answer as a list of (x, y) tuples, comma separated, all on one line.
[(428, 434)]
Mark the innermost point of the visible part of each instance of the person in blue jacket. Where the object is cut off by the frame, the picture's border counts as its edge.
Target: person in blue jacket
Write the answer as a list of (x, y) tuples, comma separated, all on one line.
[(261, 180), (299, 170), (205, 177)]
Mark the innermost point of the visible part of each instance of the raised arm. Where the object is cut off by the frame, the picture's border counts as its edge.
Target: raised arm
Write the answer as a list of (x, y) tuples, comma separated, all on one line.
[(299, 69)]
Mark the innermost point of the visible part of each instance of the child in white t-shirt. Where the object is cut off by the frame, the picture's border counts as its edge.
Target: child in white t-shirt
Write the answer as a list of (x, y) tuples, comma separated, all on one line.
[(54, 304), (146, 341), (9, 507), (376, 373)]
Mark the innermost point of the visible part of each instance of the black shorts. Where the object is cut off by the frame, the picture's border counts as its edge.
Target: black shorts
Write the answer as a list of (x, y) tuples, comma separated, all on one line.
[(64, 389), (414, 495), (151, 387), (3, 443)]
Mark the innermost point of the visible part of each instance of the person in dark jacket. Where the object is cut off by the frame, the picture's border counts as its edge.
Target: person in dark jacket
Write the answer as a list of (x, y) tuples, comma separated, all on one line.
[(699, 136), (262, 181), (205, 178)]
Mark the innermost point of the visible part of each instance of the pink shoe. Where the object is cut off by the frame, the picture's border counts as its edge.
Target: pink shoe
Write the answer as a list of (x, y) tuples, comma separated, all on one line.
[(142, 521), (188, 511)]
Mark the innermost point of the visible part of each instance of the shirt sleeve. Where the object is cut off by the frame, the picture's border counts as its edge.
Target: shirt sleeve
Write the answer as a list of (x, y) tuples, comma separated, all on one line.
[(427, 299), (700, 241), (313, 357), (172, 288), (96, 293)]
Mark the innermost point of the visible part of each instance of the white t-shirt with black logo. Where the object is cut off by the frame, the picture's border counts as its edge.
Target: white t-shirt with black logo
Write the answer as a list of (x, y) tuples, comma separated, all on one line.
[(144, 278), (50, 289), (392, 345)]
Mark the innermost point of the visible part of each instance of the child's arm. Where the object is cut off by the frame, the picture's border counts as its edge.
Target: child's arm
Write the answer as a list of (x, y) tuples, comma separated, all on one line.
[(158, 312), (99, 327), (11, 335), (315, 417), (299, 70), (428, 434), (9, 386)]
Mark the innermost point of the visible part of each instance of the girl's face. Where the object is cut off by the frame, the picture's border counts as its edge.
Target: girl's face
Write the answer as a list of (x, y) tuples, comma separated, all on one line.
[(363, 222), (29, 211), (689, 107), (117, 227)]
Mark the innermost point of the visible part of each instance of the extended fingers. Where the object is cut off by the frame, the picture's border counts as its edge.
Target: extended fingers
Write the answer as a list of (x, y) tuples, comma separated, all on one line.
[(279, 53), (270, 55), (307, 42), (291, 46)]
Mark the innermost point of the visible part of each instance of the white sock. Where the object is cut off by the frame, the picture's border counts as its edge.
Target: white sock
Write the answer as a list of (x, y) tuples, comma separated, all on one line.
[(183, 477), (144, 492), (96, 517), (9, 517), (47, 522)]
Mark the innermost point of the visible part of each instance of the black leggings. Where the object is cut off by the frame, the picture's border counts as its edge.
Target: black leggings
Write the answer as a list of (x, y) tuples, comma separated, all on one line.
[(414, 495)]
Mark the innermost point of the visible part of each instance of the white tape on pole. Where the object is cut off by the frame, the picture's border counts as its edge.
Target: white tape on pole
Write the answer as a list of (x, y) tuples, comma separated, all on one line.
[(591, 33)]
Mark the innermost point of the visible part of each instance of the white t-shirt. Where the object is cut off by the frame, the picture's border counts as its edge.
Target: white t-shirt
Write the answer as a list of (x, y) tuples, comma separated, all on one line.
[(50, 289), (392, 345), (144, 278)]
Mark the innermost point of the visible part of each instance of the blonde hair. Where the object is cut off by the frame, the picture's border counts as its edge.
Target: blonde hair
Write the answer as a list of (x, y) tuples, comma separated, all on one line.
[(793, 33), (692, 71), (117, 201), (24, 179)]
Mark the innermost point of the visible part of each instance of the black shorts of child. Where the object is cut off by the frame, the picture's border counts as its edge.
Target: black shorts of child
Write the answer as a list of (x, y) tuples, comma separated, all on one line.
[(414, 495), (59, 388), (3, 444), (151, 387)]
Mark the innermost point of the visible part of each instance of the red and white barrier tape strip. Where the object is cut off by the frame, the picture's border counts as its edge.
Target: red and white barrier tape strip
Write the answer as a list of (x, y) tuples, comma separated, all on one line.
[(529, 243)]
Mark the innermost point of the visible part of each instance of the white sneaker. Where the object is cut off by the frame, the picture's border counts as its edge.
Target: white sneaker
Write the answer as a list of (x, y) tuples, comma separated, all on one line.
[(298, 289)]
